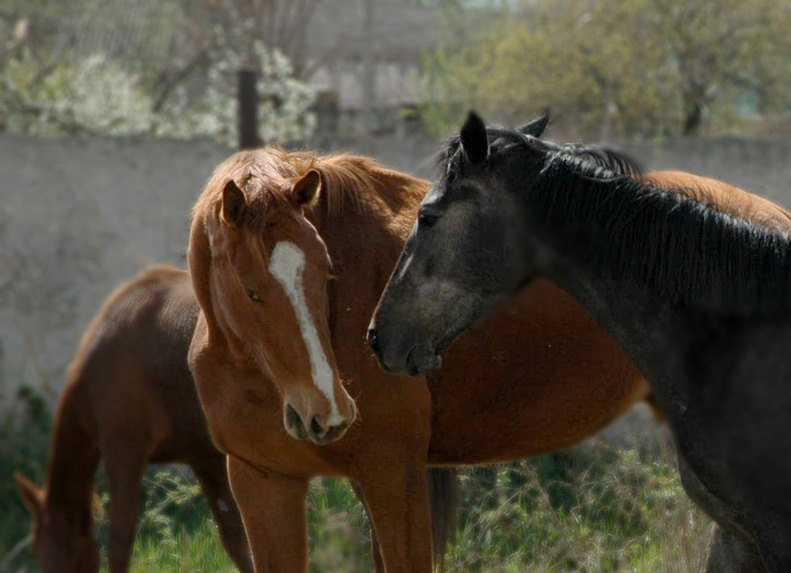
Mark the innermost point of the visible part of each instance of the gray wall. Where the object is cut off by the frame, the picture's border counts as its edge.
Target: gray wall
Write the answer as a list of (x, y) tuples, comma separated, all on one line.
[(79, 216)]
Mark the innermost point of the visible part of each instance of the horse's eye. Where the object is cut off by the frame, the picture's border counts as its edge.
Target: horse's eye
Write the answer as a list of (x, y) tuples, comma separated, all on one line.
[(252, 296), (427, 219)]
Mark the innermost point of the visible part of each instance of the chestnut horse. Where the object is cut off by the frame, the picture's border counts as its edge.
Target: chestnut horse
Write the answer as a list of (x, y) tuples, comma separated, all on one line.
[(539, 376), (697, 289), (130, 400)]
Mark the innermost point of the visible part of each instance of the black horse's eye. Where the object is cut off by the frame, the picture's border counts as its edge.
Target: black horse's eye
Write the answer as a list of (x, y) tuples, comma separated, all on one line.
[(427, 219), (252, 296)]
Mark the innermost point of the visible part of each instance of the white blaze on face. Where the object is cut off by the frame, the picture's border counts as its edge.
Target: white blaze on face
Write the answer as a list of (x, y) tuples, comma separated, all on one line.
[(286, 264)]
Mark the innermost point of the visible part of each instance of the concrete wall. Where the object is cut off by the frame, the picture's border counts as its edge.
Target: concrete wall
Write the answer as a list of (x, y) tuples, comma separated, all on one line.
[(79, 216)]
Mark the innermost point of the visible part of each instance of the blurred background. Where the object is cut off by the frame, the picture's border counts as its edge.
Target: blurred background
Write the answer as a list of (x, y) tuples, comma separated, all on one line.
[(113, 113)]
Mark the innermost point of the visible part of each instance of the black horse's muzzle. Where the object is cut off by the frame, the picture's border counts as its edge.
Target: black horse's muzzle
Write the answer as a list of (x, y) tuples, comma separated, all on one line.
[(412, 360)]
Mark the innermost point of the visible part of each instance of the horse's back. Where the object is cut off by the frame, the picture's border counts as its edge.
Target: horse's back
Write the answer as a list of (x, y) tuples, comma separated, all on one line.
[(130, 376), (726, 197)]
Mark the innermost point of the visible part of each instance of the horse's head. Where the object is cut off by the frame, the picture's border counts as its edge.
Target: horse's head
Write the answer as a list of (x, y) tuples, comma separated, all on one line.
[(466, 252), (260, 272), (59, 544)]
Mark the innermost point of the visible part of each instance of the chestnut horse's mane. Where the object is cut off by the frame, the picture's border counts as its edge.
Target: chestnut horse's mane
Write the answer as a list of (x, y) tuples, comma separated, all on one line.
[(349, 182)]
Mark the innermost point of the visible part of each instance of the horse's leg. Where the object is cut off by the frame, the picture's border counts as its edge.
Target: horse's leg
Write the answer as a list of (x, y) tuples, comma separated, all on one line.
[(124, 471), (213, 479), (274, 516), (376, 551), (396, 494), (730, 553)]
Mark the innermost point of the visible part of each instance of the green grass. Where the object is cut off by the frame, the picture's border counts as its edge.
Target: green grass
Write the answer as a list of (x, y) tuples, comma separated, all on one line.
[(593, 508), (175, 532), (196, 550), (338, 528), (596, 508)]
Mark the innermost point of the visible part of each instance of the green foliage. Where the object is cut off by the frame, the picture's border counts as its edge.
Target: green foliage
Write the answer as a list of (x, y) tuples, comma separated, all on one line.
[(592, 508), (595, 508), (175, 532), (614, 67), (338, 528), (195, 551), (56, 85), (89, 96)]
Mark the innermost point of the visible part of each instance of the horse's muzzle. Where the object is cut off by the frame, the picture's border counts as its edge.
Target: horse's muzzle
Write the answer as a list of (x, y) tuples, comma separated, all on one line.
[(413, 360)]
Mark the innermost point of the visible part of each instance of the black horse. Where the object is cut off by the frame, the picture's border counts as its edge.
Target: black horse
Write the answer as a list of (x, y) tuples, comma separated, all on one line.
[(698, 296)]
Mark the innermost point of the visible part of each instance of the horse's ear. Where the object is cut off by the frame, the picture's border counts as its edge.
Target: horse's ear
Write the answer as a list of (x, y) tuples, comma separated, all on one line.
[(474, 141), (306, 190), (32, 495), (536, 126), (233, 204)]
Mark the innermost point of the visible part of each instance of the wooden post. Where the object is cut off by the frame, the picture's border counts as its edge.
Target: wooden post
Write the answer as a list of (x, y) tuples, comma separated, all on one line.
[(248, 110)]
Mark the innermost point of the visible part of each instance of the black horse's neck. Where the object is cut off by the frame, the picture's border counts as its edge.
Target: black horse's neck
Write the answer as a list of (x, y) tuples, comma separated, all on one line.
[(678, 250)]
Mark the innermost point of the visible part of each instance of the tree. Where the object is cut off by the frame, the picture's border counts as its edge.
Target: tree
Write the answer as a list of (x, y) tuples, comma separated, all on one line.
[(284, 108), (279, 24), (89, 96), (96, 72), (726, 48), (622, 67)]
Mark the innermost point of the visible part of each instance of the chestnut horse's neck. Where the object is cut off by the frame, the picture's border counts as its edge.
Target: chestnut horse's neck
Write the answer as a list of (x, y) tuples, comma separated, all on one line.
[(364, 216), (72, 464)]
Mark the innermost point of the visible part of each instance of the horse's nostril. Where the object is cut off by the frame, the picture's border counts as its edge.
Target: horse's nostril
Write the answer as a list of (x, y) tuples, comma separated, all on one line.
[(316, 427), (292, 417), (373, 340), (294, 423), (336, 431)]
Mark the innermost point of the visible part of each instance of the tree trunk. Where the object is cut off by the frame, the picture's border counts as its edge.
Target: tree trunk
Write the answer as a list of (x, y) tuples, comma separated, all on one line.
[(693, 119)]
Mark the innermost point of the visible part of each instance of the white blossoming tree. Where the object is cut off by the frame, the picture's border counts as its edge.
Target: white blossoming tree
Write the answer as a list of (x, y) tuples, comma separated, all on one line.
[(90, 96), (283, 109), (100, 95)]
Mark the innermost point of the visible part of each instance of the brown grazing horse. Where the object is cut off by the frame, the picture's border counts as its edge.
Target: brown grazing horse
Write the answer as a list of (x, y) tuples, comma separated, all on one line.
[(539, 376), (130, 400)]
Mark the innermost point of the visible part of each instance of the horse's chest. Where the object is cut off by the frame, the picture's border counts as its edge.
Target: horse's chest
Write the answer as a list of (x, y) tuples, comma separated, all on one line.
[(707, 489)]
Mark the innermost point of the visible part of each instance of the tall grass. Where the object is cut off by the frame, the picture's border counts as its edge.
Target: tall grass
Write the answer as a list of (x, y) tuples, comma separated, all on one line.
[(596, 507)]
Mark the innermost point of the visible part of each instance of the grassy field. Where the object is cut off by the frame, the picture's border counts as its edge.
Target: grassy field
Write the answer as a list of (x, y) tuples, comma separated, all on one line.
[(596, 507)]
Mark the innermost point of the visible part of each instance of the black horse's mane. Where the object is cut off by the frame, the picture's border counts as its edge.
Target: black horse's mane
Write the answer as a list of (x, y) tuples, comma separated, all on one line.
[(685, 250)]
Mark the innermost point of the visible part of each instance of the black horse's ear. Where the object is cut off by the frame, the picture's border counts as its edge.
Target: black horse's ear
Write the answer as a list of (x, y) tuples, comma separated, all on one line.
[(233, 204), (474, 141), (536, 127)]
